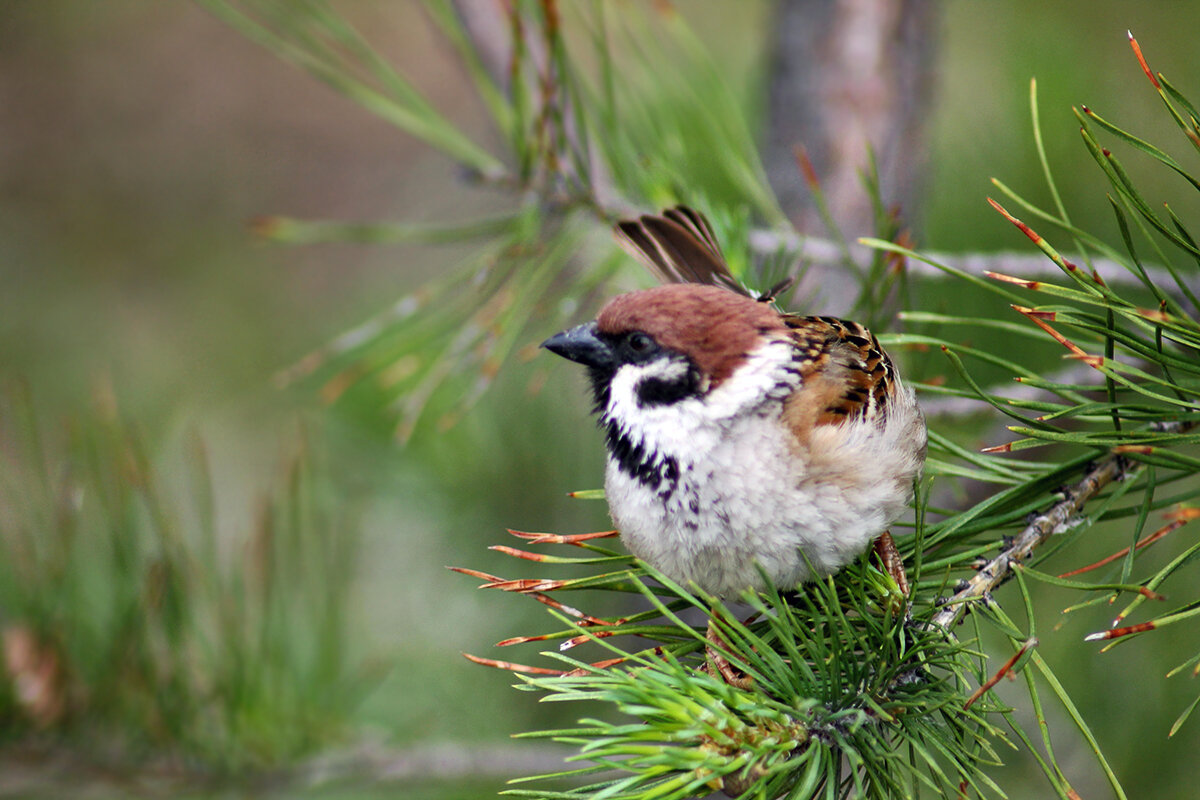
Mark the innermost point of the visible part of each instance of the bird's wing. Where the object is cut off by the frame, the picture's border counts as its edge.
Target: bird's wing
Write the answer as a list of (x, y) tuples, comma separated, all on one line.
[(678, 246), (846, 375)]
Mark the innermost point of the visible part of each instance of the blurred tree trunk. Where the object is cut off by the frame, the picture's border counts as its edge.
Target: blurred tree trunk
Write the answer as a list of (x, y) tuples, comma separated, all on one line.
[(847, 75)]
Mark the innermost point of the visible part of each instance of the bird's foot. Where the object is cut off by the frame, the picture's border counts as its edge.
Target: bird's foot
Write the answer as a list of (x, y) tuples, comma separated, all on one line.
[(717, 664), (893, 565)]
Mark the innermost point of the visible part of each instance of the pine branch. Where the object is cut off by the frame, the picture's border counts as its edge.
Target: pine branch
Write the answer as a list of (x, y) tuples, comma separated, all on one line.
[(821, 251), (493, 42), (607, 205), (1111, 468)]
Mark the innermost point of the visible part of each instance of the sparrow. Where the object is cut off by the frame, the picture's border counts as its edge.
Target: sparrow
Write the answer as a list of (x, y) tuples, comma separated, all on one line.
[(742, 441)]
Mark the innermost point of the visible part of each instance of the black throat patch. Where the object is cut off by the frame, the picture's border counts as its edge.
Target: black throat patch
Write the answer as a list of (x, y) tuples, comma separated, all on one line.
[(653, 471)]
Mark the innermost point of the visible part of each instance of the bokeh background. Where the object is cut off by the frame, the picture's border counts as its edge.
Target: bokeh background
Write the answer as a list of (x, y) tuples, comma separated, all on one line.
[(139, 138)]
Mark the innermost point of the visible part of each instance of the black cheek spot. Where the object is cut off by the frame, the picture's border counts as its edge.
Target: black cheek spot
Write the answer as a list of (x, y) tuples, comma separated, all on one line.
[(662, 392)]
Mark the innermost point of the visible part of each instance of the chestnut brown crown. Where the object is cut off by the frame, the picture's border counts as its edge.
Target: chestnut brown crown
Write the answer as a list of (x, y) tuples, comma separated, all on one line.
[(714, 327)]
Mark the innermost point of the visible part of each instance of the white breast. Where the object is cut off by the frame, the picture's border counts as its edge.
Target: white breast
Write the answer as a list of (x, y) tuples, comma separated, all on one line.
[(745, 492)]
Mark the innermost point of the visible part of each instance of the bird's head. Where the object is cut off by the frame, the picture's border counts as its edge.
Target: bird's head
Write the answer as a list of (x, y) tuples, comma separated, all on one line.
[(669, 343)]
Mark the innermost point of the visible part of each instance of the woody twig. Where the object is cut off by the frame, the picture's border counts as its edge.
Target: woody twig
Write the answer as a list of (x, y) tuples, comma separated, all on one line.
[(1113, 467)]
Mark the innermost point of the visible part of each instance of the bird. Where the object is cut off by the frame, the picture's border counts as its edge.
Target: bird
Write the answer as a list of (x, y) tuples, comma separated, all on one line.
[(742, 442)]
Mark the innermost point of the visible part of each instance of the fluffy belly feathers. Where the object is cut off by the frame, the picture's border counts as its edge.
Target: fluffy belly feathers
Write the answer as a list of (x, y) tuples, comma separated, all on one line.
[(719, 523)]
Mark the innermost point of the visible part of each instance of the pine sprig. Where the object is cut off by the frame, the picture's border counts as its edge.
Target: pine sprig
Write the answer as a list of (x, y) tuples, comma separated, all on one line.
[(838, 682), (579, 147), (845, 698)]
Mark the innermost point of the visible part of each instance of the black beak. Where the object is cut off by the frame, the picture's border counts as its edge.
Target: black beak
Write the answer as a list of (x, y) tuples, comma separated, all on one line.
[(581, 344)]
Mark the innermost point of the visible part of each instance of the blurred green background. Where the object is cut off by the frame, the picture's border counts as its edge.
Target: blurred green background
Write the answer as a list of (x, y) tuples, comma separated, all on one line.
[(138, 138)]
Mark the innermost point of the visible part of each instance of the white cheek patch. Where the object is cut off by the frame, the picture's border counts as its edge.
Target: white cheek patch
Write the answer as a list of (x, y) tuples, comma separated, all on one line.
[(622, 390), (659, 428), (663, 369), (695, 424)]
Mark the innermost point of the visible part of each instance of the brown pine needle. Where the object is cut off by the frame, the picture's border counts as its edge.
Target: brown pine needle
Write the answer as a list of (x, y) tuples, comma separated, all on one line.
[(604, 664), (999, 276), (1137, 51), (558, 538), (1000, 673), (512, 667), (1116, 633), (528, 670), (515, 553), (1025, 229), (586, 619), (523, 640), (526, 585), (1092, 361), (474, 573), (1037, 316), (1149, 540), (575, 641)]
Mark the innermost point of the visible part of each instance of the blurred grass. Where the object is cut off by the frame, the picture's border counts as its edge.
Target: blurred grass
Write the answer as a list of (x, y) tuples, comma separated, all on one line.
[(131, 627), (137, 159)]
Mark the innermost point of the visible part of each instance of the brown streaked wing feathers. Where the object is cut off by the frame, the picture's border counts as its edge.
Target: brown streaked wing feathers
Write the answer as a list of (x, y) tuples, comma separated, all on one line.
[(847, 374), (696, 224), (678, 247)]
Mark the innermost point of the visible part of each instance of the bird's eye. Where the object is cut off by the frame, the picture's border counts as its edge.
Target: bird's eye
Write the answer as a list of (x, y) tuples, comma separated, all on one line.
[(640, 342)]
